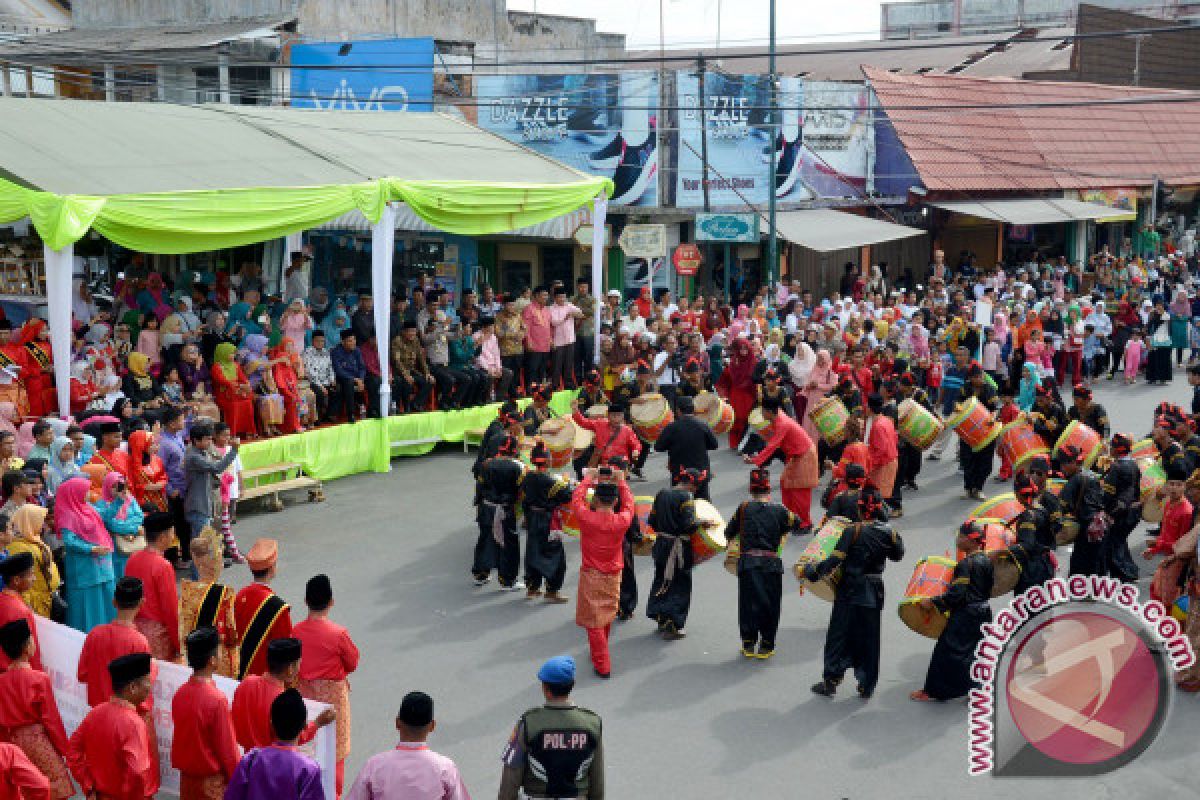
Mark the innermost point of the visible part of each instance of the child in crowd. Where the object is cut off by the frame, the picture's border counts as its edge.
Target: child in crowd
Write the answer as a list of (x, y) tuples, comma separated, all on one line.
[(1135, 348), (1093, 353)]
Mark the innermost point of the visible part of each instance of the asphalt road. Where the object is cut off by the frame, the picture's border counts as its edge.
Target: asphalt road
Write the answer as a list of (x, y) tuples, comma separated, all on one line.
[(686, 719)]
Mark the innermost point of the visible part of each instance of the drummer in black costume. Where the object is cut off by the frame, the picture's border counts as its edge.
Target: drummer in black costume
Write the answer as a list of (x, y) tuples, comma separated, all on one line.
[(1087, 411), (632, 393), (845, 503), (545, 559), (694, 382), (910, 456), (686, 441), (538, 411), (673, 518)]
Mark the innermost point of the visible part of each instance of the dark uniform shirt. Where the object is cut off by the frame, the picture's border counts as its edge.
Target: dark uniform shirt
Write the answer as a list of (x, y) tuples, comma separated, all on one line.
[(673, 513), (500, 481), (1122, 487), (1175, 457), (686, 441), (984, 393), (1049, 423), (862, 552), (1082, 497), (543, 491), (1095, 417), (971, 584), (760, 526), (1035, 541), (556, 751), (845, 505), (534, 417)]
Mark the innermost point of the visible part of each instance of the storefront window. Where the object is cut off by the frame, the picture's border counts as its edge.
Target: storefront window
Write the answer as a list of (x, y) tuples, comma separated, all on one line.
[(515, 275), (558, 264)]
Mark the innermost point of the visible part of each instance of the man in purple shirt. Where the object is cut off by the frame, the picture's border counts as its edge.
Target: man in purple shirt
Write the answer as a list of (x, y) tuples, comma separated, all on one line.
[(280, 771), (411, 771), (171, 448)]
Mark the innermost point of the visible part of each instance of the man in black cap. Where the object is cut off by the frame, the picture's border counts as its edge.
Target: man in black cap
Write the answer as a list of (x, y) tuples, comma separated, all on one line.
[(845, 502), (412, 382), (1082, 499), (410, 769), (17, 572), (253, 696), (977, 464), (556, 749), (1036, 540), (204, 748), (1122, 503), (279, 772), (27, 698), (110, 752), (538, 410), (1088, 411), (760, 528), (910, 455), (108, 448), (541, 494), (498, 546), (686, 441), (351, 373), (852, 640), (1048, 417), (673, 517)]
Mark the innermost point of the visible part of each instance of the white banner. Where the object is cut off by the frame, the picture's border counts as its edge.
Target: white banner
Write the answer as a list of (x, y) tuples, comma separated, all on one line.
[(60, 647)]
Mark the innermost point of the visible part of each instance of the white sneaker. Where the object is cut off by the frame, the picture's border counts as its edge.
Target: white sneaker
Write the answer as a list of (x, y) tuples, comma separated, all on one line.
[(518, 586)]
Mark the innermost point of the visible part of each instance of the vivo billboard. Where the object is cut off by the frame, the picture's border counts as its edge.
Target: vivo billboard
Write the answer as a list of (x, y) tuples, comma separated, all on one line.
[(367, 75)]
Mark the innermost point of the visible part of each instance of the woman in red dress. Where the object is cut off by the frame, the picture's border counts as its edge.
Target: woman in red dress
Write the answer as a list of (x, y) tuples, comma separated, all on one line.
[(286, 383), (736, 385), (232, 392), (148, 476)]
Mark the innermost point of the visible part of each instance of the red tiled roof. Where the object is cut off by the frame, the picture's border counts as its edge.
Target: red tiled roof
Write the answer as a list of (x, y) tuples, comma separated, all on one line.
[(992, 147)]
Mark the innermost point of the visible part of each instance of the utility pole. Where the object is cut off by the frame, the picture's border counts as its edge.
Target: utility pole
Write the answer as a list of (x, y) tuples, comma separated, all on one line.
[(773, 129), (701, 68)]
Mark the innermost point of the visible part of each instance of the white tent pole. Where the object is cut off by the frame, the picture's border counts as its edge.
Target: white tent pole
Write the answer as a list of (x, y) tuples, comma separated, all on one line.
[(383, 244), (59, 265), (600, 210)]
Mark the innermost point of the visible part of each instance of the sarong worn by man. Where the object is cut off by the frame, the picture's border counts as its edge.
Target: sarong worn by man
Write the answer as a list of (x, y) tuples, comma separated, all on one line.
[(601, 530)]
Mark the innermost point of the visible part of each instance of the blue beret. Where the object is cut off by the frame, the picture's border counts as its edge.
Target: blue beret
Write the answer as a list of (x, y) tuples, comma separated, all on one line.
[(560, 669)]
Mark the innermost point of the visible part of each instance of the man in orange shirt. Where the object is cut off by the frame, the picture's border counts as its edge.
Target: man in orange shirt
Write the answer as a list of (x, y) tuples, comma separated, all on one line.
[(17, 572), (796, 450), (158, 619), (883, 452), (261, 615), (252, 699), (108, 449), (110, 750), (204, 749), (28, 712), (329, 655)]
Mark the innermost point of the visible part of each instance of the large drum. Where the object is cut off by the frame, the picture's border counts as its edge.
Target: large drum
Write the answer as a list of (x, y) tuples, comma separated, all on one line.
[(559, 436), (931, 578), (710, 536), (997, 538), (820, 548), (757, 421), (715, 411), (1144, 448), (1154, 477), (598, 411), (830, 417), (651, 414), (1055, 485), (1004, 507), (974, 424), (1018, 444), (583, 439), (918, 426), (1083, 437)]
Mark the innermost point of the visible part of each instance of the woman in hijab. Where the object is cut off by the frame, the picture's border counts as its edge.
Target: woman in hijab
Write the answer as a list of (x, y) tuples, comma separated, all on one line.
[(25, 440), (62, 466), (139, 385), (1181, 316), (239, 323), (337, 321), (232, 392), (821, 381), (193, 374), (800, 369), (1027, 389), (295, 325), (213, 335), (83, 307), (287, 384), (318, 302), (88, 557), (736, 385), (147, 474), (122, 519), (28, 524), (253, 358), (154, 299), (1158, 365), (222, 294)]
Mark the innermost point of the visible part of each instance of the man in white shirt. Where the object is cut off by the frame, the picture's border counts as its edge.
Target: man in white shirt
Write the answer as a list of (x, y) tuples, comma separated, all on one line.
[(295, 278), (667, 368)]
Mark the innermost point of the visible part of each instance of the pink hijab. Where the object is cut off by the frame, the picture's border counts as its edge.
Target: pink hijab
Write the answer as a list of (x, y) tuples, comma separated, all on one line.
[(72, 512), (110, 492), (25, 439)]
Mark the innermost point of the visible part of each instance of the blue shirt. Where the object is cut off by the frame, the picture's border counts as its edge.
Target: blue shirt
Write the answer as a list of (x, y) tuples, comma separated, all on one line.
[(170, 450), (952, 384), (348, 364)]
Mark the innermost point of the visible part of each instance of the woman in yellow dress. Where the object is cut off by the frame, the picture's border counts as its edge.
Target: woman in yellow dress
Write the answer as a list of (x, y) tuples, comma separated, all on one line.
[(27, 525), (207, 603)]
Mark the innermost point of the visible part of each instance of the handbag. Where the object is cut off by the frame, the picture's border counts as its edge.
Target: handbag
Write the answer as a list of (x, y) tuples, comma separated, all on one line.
[(127, 546)]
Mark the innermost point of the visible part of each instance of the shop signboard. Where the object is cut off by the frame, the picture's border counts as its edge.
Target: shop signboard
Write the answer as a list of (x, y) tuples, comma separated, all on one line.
[(727, 227), (601, 124), (644, 241), (1124, 199), (584, 235), (332, 76), (687, 259)]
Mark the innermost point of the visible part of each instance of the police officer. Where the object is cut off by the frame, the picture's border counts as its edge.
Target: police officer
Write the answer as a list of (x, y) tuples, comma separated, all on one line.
[(556, 750)]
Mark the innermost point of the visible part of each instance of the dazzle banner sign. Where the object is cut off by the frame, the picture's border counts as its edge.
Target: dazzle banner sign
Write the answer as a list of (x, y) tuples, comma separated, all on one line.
[(60, 647), (821, 149), (599, 124)]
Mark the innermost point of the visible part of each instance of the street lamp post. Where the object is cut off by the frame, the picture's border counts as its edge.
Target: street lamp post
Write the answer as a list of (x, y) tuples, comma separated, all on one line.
[(773, 129)]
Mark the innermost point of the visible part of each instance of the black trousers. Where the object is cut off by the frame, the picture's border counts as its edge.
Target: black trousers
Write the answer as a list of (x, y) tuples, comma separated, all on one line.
[(1117, 560), (628, 598), (515, 364), (670, 602), (585, 351), (852, 642), (372, 382), (1087, 558), (412, 393), (489, 555), (949, 673), (910, 465), (977, 466), (536, 365), (562, 373), (640, 461), (322, 394), (348, 398), (545, 560), (475, 386), (760, 591), (582, 460), (448, 386), (183, 529)]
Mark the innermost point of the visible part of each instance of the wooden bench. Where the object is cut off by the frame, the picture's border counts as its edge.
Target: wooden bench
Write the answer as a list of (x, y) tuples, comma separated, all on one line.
[(273, 479), (473, 436)]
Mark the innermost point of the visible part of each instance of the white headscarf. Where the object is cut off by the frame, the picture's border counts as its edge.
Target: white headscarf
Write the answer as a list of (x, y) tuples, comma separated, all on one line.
[(800, 368)]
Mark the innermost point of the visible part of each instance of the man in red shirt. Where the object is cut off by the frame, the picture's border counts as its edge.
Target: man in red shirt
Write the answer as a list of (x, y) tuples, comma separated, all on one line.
[(260, 614), (158, 619), (801, 471), (254, 695), (329, 655), (204, 749), (1177, 514), (883, 450), (28, 712), (613, 437), (859, 372), (538, 336), (108, 449), (19, 778), (112, 640), (110, 750), (17, 572), (601, 532)]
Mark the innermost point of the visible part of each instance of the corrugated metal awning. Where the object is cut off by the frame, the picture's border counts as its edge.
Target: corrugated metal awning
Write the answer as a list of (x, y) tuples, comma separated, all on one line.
[(1036, 210), (824, 229), (563, 227)]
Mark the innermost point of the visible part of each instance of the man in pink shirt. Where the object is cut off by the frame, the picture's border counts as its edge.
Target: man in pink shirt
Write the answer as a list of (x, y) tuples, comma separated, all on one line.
[(562, 322), (490, 360), (411, 771), (538, 337)]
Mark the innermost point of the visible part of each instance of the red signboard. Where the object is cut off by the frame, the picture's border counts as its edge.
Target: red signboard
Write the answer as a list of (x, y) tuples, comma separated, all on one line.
[(686, 259)]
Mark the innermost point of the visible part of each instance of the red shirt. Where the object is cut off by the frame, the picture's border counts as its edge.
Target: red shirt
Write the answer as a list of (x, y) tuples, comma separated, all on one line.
[(109, 753), (27, 698), (19, 778), (252, 712), (329, 652), (881, 443), (162, 596), (1176, 521), (204, 742), (852, 453), (13, 608), (624, 443), (245, 605), (113, 459), (602, 532), (862, 377), (103, 644), (786, 436)]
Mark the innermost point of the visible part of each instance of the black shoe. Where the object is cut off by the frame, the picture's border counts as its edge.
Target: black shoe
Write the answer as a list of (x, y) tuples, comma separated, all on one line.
[(635, 173), (864, 692), (609, 156), (624, 616), (599, 674), (825, 688)]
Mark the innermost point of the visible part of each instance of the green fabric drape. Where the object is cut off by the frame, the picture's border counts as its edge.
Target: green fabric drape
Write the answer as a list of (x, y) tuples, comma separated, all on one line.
[(196, 221)]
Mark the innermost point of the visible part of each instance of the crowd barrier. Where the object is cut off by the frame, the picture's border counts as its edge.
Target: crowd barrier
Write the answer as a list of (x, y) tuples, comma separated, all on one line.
[(369, 445)]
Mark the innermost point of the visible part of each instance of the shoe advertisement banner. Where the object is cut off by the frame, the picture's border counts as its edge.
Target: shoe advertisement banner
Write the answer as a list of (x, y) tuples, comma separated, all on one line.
[(600, 124), (821, 150)]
